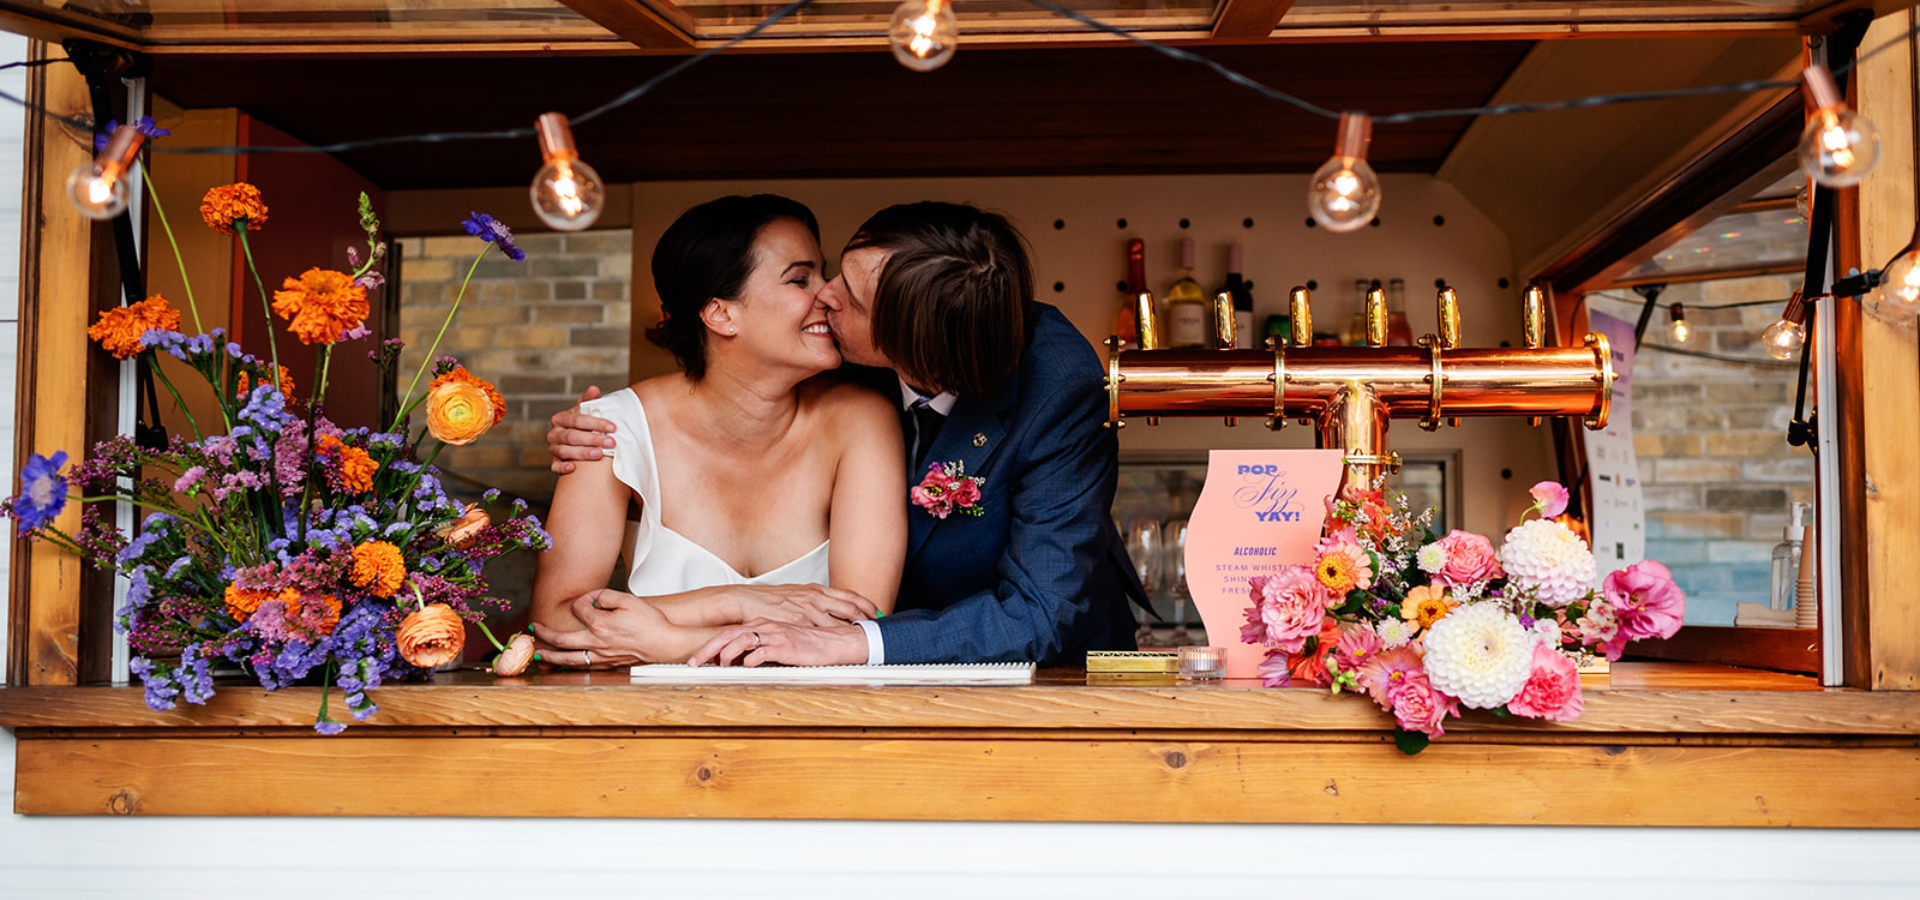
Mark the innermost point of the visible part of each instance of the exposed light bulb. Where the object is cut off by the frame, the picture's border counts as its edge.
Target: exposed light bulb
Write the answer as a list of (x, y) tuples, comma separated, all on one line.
[(1682, 332), (1783, 339), (1344, 193), (567, 193), (1839, 146), (1900, 282), (99, 188), (924, 34)]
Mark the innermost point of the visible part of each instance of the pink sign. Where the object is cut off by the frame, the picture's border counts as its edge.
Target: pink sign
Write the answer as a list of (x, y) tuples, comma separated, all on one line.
[(1260, 510)]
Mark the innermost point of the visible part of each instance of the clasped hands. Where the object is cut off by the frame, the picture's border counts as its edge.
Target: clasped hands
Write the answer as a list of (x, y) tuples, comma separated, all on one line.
[(790, 624)]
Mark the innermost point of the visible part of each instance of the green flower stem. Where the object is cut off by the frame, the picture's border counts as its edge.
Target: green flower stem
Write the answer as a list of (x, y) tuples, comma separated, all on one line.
[(409, 403), (490, 638), (161, 214), (178, 403), (266, 303), (313, 443)]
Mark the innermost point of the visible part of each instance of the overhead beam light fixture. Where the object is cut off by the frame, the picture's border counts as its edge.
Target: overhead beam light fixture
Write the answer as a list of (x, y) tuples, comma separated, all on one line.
[(1839, 146), (99, 188), (567, 193), (924, 34), (1345, 193)]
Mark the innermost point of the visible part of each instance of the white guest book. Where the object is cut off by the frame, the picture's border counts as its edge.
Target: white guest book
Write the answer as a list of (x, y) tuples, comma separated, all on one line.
[(958, 673)]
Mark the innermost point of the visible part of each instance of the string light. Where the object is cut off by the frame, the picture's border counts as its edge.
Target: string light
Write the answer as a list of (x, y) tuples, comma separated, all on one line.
[(567, 193), (99, 187), (1344, 193), (1682, 332), (1839, 146), (924, 34), (1784, 338), (1900, 282)]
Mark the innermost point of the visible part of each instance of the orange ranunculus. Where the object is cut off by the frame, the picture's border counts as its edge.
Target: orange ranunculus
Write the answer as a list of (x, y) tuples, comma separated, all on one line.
[(224, 205), (431, 637), (459, 373), (458, 412), (461, 532), (515, 659), (120, 328), (354, 472), (321, 305), (379, 567), (286, 383)]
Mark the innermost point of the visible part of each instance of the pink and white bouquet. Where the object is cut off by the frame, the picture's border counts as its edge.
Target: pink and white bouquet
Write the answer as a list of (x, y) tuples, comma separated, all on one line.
[(1427, 624)]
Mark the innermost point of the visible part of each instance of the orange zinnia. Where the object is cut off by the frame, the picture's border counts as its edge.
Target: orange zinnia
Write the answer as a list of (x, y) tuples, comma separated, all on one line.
[(230, 203), (460, 374), (431, 636), (322, 611), (379, 567), (321, 305), (243, 604), (119, 329), (354, 473)]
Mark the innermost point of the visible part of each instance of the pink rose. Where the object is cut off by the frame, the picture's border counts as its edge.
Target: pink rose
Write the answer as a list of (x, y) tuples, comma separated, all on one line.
[(1418, 707), (965, 493), (1552, 691), (1646, 601), (1550, 497), (1470, 559), (934, 493), (1287, 609)]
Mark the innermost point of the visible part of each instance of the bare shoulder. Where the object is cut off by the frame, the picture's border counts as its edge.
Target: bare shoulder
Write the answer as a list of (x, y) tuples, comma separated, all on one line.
[(844, 404), (659, 388)]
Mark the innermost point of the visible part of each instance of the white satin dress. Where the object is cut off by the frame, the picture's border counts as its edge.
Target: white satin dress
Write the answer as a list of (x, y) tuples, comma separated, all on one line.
[(659, 559)]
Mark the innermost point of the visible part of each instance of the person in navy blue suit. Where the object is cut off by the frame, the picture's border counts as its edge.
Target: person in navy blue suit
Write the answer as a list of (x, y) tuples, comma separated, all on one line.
[(1012, 553)]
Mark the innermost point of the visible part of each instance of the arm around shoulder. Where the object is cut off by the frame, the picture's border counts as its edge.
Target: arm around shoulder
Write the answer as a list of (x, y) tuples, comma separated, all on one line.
[(867, 523)]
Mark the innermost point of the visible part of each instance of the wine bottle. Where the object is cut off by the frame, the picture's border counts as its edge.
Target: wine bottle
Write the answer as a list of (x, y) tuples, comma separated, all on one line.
[(1241, 291), (1187, 308), (1399, 330), (1127, 327)]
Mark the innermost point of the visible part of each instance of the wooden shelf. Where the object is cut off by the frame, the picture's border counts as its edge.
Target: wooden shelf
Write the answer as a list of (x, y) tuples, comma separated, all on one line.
[(1659, 743)]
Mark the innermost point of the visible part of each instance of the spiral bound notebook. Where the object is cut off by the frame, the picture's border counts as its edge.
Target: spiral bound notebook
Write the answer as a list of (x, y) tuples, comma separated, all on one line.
[(957, 673)]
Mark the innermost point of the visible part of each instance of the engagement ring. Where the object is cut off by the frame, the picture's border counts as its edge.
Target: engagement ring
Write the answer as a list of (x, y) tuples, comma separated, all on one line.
[(756, 639), (586, 658)]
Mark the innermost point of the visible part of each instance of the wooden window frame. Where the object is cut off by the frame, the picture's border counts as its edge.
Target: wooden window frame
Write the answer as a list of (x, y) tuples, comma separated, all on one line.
[(1657, 744)]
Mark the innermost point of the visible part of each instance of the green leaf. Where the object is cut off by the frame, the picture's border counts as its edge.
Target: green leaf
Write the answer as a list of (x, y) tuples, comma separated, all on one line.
[(1410, 742)]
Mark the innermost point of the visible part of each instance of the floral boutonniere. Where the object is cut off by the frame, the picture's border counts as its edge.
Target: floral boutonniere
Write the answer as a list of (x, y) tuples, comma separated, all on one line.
[(948, 489)]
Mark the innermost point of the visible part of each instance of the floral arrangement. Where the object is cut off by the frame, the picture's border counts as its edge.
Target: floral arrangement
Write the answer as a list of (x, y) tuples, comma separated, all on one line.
[(276, 541), (1425, 625), (947, 489)]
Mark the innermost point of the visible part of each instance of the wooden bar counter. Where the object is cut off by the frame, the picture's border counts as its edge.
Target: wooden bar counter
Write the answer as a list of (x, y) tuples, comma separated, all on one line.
[(1658, 744)]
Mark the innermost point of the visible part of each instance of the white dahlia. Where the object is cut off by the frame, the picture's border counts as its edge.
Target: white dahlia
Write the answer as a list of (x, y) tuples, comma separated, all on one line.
[(1432, 558), (1479, 654), (1547, 556)]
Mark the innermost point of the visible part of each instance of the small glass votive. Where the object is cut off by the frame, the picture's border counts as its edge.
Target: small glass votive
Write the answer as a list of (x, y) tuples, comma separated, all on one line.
[(1202, 663)]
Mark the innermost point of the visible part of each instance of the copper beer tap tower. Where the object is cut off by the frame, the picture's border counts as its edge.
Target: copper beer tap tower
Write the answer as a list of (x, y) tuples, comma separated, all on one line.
[(1349, 394)]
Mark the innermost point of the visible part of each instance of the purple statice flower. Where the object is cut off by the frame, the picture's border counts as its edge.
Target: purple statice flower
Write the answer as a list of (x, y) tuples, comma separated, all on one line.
[(189, 478), (145, 125), (179, 568), (266, 408), (43, 492), (290, 458), (195, 676), (328, 726), (487, 228), (137, 548), (158, 680), (138, 593)]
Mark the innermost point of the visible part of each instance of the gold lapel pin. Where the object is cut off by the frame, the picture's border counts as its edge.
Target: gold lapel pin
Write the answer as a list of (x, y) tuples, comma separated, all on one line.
[(980, 440)]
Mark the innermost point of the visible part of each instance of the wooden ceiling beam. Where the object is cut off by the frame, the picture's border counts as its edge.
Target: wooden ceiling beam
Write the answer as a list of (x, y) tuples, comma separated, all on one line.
[(635, 22), (1250, 18)]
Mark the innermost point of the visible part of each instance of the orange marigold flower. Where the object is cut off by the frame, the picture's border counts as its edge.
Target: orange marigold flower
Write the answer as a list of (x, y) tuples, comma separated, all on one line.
[(243, 604), (321, 305), (286, 383), (224, 205), (459, 411), (460, 374), (320, 612), (119, 329), (355, 468), (431, 637), (379, 567)]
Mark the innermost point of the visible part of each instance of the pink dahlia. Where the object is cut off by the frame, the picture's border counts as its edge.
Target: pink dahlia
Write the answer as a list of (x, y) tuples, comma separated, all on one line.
[(1287, 609), (1552, 690)]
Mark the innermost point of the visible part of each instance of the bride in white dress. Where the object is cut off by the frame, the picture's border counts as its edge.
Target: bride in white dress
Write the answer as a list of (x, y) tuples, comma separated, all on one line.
[(763, 491)]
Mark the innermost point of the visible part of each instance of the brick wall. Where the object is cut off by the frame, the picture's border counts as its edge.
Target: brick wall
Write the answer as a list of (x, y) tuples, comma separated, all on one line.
[(1715, 466), (541, 330)]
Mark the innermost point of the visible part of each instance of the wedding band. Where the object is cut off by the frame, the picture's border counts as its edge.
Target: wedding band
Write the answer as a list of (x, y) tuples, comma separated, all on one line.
[(586, 658), (756, 639)]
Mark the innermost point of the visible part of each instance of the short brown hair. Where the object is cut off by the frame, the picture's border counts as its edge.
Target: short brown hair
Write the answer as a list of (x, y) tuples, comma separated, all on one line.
[(953, 304)]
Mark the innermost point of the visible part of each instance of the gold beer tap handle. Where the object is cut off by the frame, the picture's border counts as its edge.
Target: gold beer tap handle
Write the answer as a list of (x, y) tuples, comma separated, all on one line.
[(1533, 317), (1603, 358), (1224, 327), (1448, 312), (1114, 379), (1376, 318), (1149, 321), (1300, 312), (1437, 379), (1278, 420), (1390, 460)]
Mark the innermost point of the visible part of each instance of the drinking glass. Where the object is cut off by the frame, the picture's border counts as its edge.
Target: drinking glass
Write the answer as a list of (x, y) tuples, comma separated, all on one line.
[(1144, 537), (1174, 545)]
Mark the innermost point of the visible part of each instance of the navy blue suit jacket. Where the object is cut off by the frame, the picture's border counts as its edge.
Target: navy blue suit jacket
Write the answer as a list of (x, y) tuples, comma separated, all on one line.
[(1041, 574)]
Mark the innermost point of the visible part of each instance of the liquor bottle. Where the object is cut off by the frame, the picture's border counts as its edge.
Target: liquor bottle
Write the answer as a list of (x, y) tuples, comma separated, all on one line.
[(1187, 307), (1241, 291), (1127, 327), (1399, 330), (1356, 333)]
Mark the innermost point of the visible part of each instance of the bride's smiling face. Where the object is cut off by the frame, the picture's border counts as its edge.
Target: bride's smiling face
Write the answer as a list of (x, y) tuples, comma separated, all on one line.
[(778, 317)]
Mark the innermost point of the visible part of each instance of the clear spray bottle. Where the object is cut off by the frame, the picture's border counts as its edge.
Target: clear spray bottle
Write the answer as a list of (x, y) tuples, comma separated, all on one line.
[(1786, 560)]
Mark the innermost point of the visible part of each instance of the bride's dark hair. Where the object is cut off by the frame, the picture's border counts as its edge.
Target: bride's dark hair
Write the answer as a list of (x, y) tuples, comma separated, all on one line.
[(708, 253)]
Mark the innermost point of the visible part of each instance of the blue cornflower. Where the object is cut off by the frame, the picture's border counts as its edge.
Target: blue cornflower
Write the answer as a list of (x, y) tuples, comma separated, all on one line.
[(491, 230), (145, 125), (43, 491)]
